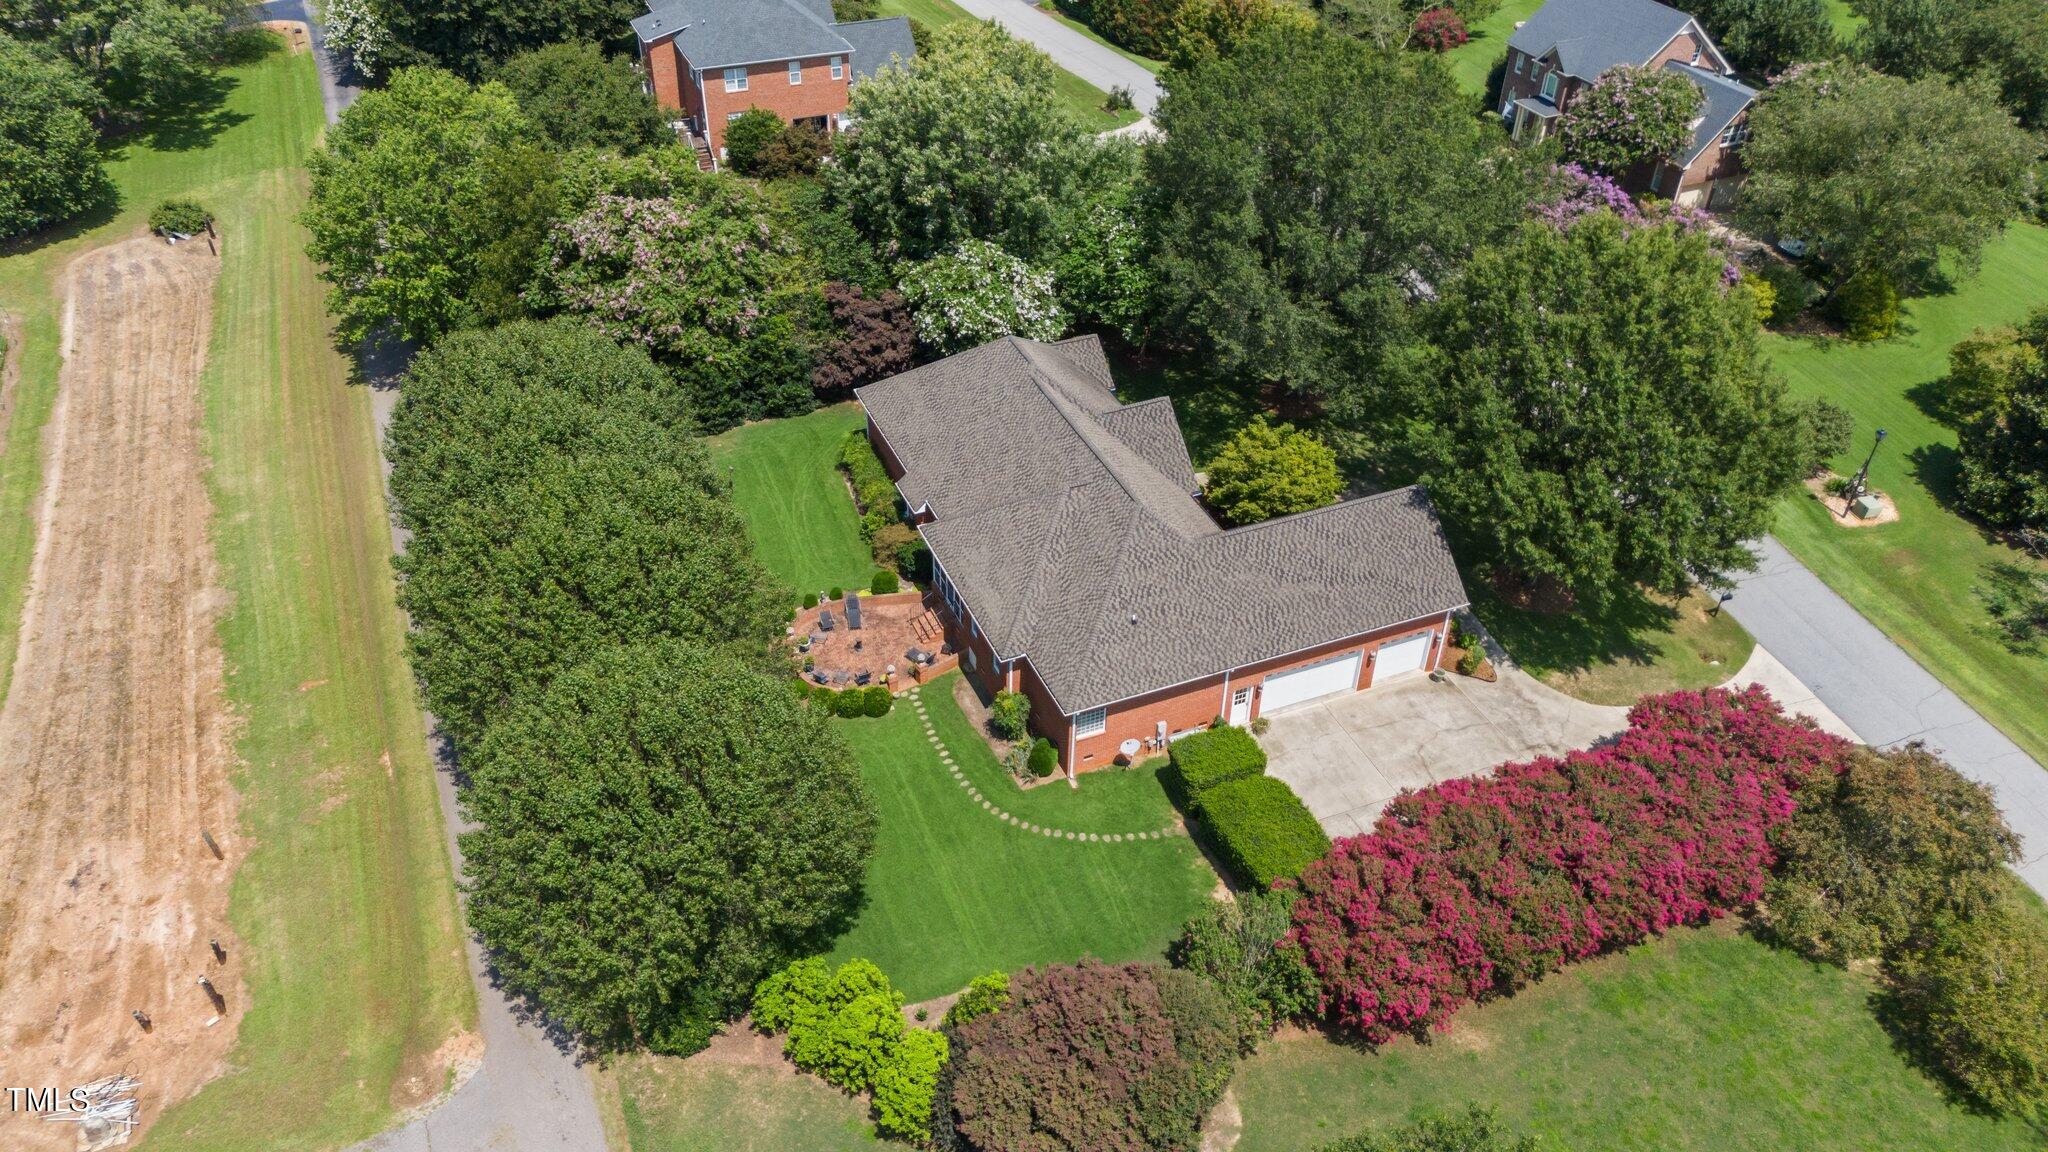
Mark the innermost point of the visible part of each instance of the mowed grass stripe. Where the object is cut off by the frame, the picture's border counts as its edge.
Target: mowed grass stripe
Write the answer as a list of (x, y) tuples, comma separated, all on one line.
[(1915, 579), (345, 905), (952, 892), (787, 484)]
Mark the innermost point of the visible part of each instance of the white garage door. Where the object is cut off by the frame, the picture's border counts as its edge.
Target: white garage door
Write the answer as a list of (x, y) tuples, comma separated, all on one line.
[(1311, 682), (1397, 657)]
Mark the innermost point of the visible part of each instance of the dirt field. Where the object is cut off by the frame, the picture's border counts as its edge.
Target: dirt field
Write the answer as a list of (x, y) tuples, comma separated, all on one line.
[(115, 742)]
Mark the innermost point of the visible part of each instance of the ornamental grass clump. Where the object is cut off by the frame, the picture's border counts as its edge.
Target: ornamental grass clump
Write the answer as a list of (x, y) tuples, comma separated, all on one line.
[(1472, 888)]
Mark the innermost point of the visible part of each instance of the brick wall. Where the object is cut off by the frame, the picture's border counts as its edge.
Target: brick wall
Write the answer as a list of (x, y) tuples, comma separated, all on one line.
[(1195, 704), (768, 87), (1683, 48)]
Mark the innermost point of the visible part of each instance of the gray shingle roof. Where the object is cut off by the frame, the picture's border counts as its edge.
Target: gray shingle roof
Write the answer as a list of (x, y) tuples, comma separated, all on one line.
[(1061, 514), (1592, 36), (1725, 100), (876, 42)]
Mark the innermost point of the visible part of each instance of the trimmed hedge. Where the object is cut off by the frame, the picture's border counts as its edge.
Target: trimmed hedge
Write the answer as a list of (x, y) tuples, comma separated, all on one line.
[(181, 216), (1206, 759), (1261, 828), (884, 583), (871, 484)]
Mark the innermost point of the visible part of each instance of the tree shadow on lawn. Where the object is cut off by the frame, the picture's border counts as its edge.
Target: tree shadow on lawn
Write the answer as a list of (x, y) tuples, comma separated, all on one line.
[(1575, 640)]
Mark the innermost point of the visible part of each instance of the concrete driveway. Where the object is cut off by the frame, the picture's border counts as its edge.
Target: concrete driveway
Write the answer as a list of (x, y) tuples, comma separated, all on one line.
[(1347, 756)]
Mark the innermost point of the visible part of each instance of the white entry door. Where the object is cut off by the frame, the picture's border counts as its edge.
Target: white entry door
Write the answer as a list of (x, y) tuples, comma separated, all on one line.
[(1399, 657), (1311, 682), (1241, 706)]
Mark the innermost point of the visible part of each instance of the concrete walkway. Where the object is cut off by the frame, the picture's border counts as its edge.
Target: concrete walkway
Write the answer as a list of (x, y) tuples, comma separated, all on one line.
[(1884, 694), (1100, 66), (528, 1093)]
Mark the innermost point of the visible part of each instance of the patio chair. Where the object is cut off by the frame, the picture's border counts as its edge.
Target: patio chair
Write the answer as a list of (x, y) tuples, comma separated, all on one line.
[(918, 656), (853, 611), (825, 621), (863, 678)]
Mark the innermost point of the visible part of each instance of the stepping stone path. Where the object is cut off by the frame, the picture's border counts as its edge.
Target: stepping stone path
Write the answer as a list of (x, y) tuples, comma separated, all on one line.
[(973, 793)]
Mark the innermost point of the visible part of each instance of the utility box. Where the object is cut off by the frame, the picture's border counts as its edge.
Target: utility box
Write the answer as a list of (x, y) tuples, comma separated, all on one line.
[(1866, 507)]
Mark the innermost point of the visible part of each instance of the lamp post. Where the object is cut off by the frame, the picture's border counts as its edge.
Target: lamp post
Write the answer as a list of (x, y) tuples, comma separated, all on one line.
[(1860, 486)]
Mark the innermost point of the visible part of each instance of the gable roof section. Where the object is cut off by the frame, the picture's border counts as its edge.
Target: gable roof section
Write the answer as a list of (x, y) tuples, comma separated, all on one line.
[(877, 42), (1725, 99), (1592, 36), (725, 33), (1061, 515)]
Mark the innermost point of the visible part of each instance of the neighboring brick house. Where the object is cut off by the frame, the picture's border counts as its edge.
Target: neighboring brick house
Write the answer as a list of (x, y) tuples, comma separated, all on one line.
[(711, 60), (1073, 562), (1567, 44)]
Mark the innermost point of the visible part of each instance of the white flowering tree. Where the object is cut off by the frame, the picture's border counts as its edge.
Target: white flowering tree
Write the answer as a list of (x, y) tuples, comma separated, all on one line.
[(356, 31), (977, 293)]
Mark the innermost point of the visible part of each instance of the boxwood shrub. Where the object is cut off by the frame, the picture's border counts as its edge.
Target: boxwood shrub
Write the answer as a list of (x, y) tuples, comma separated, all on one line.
[(1045, 759), (1206, 759), (884, 583), (1261, 829)]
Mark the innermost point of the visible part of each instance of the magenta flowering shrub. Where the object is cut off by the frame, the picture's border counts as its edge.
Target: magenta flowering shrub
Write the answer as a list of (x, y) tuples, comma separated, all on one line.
[(1474, 887), (1575, 193), (1440, 30)]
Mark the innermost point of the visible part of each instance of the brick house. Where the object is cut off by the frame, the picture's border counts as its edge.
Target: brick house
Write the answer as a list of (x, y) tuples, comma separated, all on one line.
[(711, 60), (1567, 44), (1073, 561)]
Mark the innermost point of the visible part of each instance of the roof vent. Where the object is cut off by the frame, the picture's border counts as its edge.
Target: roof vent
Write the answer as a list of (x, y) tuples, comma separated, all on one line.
[(1134, 617)]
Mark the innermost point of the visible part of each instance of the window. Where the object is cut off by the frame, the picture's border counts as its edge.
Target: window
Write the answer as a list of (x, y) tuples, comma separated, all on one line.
[(1091, 722), (1520, 62), (1734, 134), (1550, 86), (732, 116), (838, 69), (796, 72), (735, 79), (1657, 179)]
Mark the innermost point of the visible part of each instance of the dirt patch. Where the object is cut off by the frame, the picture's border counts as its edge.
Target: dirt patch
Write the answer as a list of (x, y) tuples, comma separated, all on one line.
[(1838, 508), (294, 32), (427, 1077), (1225, 1125), (115, 741), (740, 1043), (1544, 596)]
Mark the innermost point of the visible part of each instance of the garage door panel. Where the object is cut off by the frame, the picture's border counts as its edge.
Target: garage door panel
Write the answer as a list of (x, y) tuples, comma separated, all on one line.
[(1400, 657), (1311, 682)]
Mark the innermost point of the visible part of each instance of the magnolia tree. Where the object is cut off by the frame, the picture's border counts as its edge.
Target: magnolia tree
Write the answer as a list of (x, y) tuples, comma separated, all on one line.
[(977, 293), (1628, 116)]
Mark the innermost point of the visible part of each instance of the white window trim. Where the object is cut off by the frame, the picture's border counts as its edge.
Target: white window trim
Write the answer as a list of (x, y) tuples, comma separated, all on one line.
[(796, 73), (1550, 87), (1521, 62), (735, 79), (838, 68), (1091, 723)]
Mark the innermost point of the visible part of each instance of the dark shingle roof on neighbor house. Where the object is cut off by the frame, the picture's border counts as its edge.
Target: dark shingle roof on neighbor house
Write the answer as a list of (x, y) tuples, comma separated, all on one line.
[(1592, 36), (1069, 524), (1724, 100), (726, 33)]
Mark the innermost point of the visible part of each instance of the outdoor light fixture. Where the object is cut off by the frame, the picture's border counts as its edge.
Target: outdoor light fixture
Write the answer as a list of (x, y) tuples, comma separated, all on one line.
[(1860, 486)]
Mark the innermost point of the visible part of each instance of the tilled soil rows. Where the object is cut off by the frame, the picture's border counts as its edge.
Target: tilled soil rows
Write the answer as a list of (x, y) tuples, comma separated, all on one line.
[(115, 738)]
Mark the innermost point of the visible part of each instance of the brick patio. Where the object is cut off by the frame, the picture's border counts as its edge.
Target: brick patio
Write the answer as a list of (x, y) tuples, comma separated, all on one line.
[(890, 626)]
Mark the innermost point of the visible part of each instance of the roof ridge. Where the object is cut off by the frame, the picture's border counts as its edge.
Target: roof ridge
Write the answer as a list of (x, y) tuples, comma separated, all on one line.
[(1354, 502)]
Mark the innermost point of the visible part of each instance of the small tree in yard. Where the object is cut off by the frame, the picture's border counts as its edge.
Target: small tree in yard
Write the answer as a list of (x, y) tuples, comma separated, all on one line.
[(2004, 448), (184, 217), (639, 789), (578, 98), (1095, 1057), (874, 340), (1599, 413), (1269, 470), (1439, 30), (1883, 174), (1627, 117), (1974, 989), (1241, 946), (847, 1027), (977, 293), (1010, 714), (747, 136)]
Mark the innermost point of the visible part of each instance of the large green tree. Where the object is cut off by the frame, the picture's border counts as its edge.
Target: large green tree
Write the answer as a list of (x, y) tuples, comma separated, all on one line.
[(966, 142), (657, 831), (559, 505), (422, 191), (697, 268), (2004, 40), (1307, 189), (472, 39), (1882, 173), (578, 98), (1768, 36), (49, 153), (143, 55), (1597, 412), (2004, 478)]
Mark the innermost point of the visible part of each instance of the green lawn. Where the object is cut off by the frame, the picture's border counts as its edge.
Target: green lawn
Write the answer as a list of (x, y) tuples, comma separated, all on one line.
[(1915, 579), (952, 892), (1146, 62), (670, 1105), (1085, 100), (1705, 1040), (1645, 644), (787, 483), (345, 907), (1472, 61)]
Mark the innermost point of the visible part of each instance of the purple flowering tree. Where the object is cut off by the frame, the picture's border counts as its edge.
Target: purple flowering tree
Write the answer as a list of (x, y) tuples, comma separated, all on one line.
[(1627, 116)]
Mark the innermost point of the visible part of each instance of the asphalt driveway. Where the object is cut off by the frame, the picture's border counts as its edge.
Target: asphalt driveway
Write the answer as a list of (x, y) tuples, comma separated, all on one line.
[(1347, 756)]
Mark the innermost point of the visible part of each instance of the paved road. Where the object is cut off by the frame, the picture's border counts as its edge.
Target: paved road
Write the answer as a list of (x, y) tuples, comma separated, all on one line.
[(529, 1094), (1884, 694), (1069, 49)]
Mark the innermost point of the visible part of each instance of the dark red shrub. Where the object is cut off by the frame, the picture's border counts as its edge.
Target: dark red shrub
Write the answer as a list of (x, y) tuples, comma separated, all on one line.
[(1474, 887), (874, 339), (1439, 30)]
